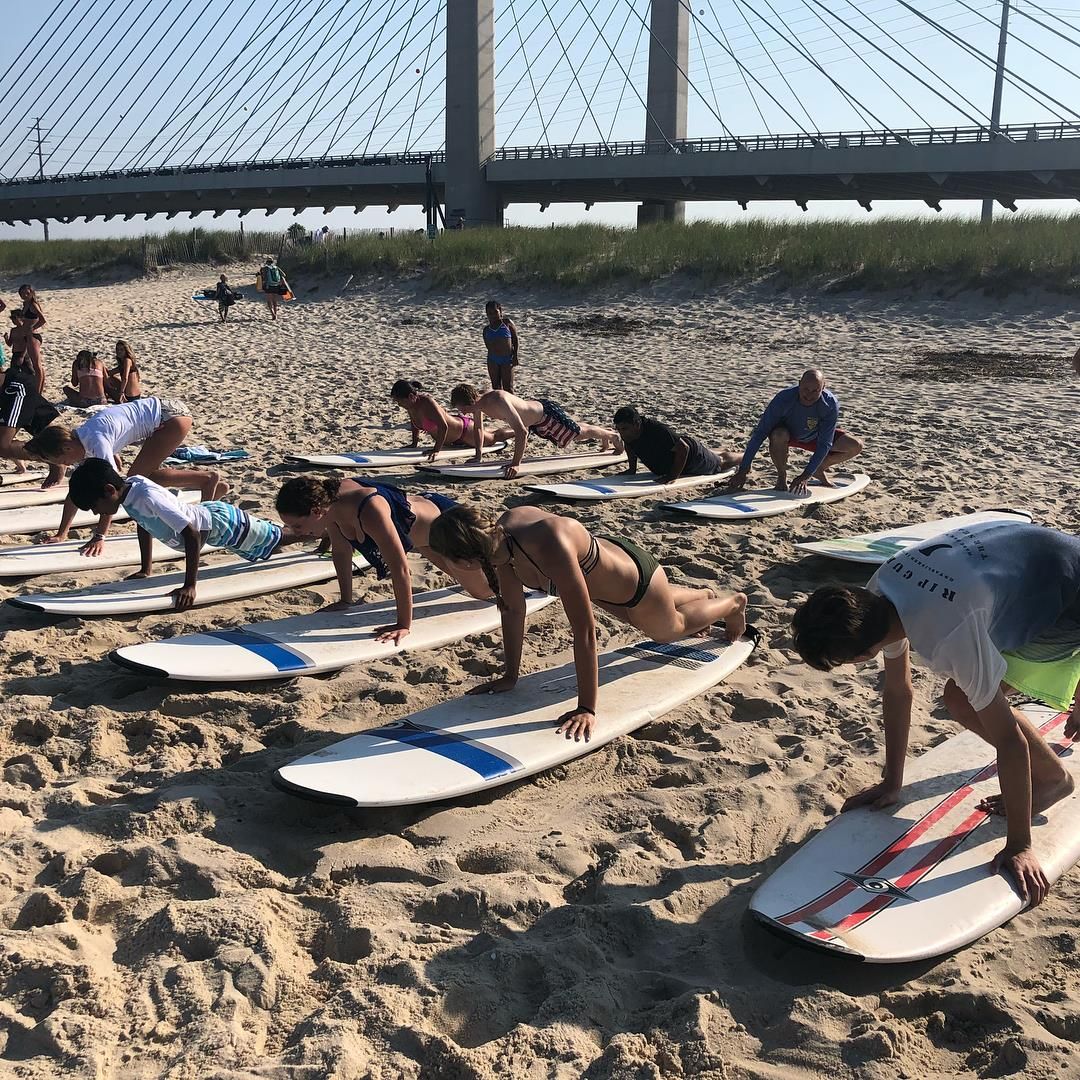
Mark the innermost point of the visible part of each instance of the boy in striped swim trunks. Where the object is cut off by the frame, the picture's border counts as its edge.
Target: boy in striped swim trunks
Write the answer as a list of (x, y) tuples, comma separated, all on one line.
[(160, 515)]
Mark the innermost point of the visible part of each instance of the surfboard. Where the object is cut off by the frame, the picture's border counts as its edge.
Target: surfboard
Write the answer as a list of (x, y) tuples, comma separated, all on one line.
[(913, 881), (878, 547), (34, 519), (236, 579), (16, 498), (478, 742), (31, 476), (746, 505), (32, 560), (641, 486), (211, 294), (309, 644), (385, 459), (535, 466)]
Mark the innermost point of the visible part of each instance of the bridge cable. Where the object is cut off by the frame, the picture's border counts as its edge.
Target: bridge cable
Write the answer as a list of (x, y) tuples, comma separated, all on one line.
[(626, 82), (190, 92), (127, 86), (15, 70), (926, 67), (221, 80), (612, 52), (426, 67), (271, 89), (528, 70), (1046, 26), (393, 76), (237, 80), (1013, 36), (990, 63), (742, 74), (31, 83), (903, 67)]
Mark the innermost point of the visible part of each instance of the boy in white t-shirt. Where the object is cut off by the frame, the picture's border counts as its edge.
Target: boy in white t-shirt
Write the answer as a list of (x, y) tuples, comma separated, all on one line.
[(157, 425), (994, 607), (96, 485)]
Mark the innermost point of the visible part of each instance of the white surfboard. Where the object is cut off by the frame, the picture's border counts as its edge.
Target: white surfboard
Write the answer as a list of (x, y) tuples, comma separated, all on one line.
[(47, 518), (478, 742), (641, 486), (746, 505), (534, 466), (31, 476), (308, 644), (31, 560), (236, 579), (913, 881), (387, 459), (18, 497), (878, 547)]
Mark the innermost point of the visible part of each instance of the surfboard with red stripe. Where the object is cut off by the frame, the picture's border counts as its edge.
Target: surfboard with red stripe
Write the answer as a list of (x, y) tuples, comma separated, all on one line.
[(914, 881)]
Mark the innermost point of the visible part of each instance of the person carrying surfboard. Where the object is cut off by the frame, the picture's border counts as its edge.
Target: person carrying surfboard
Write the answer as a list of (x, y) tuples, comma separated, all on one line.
[(665, 453), (426, 414), (95, 485), (994, 607), (225, 297), (381, 522), (805, 417), (528, 548), (273, 285), (523, 416), (156, 425)]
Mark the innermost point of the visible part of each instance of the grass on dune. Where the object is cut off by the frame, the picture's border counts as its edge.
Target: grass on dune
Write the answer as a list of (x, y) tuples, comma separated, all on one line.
[(1028, 249)]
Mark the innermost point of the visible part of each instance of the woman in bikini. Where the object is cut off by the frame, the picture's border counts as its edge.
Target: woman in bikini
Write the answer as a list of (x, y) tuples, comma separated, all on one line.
[(426, 414), (537, 416), (87, 381), (34, 319), (26, 350), (125, 380), (501, 341), (526, 548), (381, 522)]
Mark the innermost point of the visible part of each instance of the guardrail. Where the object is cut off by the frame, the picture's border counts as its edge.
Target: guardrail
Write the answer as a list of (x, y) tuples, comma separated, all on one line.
[(802, 141)]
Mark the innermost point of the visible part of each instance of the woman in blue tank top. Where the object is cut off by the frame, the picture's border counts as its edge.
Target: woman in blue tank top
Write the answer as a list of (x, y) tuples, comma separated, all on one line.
[(501, 341), (381, 522)]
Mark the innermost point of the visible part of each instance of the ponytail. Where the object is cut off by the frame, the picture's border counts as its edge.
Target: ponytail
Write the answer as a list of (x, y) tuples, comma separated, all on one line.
[(464, 533)]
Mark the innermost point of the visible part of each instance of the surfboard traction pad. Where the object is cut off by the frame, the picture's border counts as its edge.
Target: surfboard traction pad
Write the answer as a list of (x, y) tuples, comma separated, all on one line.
[(675, 653)]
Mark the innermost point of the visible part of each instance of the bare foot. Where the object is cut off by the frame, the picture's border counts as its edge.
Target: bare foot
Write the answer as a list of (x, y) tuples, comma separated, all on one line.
[(221, 489), (823, 480), (210, 481), (781, 484), (1041, 798), (735, 623)]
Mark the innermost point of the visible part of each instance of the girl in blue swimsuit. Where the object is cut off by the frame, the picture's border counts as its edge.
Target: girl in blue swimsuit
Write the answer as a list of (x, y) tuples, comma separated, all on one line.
[(383, 524), (501, 340)]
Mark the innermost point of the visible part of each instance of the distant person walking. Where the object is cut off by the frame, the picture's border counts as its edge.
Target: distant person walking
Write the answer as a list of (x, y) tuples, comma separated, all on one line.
[(225, 298), (501, 340), (125, 380), (273, 285)]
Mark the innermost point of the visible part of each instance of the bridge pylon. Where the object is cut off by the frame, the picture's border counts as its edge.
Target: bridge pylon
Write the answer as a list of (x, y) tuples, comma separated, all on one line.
[(666, 99), (470, 114)]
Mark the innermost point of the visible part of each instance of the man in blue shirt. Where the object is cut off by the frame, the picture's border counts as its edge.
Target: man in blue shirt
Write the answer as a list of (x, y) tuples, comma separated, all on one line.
[(802, 416)]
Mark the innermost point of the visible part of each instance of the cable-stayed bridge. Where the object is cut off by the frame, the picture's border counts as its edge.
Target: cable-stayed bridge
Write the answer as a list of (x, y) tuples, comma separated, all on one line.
[(173, 108)]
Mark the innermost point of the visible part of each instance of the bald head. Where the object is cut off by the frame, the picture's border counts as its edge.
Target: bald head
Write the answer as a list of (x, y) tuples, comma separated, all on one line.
[(811, 386)]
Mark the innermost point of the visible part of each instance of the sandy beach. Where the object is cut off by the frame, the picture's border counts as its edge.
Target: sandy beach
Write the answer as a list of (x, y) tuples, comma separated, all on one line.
[(167, 913)]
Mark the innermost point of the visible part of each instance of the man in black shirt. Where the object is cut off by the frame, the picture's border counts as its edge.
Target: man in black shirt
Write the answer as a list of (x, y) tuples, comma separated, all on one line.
[(21, 406), (665, 453)]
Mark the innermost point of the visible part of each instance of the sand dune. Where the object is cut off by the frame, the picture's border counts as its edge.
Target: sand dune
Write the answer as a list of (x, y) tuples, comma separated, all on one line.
[(166, 912)]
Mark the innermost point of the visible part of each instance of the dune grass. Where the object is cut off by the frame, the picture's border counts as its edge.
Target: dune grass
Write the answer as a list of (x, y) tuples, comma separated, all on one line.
[(1015, 252)]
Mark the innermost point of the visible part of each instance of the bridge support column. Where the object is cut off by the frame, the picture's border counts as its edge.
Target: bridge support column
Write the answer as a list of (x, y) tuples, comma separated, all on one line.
[(470, 113), (669, 58)]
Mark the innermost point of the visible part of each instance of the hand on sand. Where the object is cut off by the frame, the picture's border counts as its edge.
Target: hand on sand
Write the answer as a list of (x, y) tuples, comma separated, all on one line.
[(93, 547), (496, 686), (184, 598), (59, 538), (392, 633), (1026, 872), (737, 481), (878, 796), (576, 723)]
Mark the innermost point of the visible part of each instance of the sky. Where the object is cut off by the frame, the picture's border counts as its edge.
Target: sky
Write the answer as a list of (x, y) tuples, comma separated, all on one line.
[(119, 85)]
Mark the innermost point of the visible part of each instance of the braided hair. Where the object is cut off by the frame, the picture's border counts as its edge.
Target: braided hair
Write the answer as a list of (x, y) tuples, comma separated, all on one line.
[(305, 495), (463, 532)]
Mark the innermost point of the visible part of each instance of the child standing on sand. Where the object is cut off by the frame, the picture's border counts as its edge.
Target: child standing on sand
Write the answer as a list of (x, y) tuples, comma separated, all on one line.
[(501, 340)]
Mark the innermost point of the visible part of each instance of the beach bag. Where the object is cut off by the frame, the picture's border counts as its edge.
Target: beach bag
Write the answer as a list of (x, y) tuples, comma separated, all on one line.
[(272, 279)]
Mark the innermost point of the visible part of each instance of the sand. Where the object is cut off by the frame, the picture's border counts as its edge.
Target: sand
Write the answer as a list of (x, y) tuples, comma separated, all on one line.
[(167, 913)]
